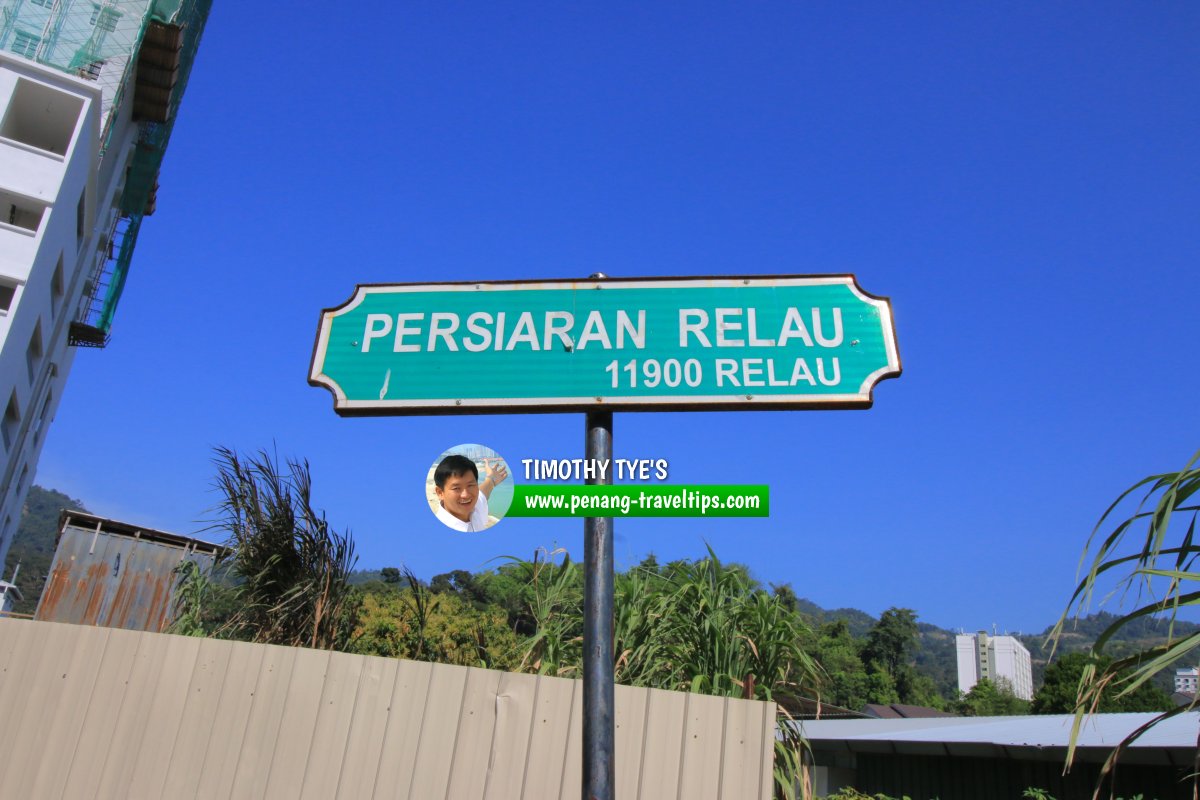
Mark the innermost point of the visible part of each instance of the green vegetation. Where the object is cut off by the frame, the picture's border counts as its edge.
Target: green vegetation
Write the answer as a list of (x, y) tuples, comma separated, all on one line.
[(1058, 694), (880, 667), (1040, 794), (415, 623), (192, 595), (991, 699)]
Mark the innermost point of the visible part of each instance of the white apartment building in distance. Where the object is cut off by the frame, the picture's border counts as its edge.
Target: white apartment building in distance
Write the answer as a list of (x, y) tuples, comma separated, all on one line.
[(89, 91), (1187, 680), (994, 657)]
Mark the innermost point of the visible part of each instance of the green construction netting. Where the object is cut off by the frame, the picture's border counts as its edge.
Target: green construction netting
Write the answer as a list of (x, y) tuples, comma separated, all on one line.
[(152, 145), (73, 34)]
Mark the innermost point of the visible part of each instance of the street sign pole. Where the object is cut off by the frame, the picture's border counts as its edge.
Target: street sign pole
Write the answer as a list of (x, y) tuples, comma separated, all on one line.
[(598, 724)]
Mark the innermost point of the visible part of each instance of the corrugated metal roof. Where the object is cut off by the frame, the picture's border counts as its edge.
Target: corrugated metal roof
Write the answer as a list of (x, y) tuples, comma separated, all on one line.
[(110, 713), (1052, 730)]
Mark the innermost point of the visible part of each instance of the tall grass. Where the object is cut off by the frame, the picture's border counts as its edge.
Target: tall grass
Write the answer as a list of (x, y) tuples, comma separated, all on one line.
[(291, 568)]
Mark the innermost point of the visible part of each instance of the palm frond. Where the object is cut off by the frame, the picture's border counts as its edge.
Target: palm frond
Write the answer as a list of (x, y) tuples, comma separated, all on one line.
[(1140, 552)]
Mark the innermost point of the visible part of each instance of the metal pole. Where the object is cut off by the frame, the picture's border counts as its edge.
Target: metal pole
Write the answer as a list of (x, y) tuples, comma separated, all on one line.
[(598, 729)]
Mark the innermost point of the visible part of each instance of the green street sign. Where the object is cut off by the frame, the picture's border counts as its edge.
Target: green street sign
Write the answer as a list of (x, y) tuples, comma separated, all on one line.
[(644, 344)]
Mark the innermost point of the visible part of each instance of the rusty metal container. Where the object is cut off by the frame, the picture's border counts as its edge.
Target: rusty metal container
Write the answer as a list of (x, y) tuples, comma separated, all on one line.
[(117, 575)]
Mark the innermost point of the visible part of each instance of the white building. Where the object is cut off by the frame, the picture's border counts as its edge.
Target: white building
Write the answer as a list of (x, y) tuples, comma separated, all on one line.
[(1000, 659), (1187, 680), (88, 95)]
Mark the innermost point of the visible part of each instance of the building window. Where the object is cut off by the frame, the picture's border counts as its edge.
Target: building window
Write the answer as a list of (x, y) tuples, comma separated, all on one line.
[(105, 18), (8, 292), (58, 286), (42, 417), (80, 218), (24, 44), (33, 353), (12, 418)]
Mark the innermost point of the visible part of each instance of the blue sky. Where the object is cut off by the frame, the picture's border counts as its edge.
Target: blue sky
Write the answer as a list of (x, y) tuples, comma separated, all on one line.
[(1020, 179)]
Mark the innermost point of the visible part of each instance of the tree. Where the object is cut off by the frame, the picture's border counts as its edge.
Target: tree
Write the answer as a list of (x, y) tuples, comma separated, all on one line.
[(291, 570), (845, 682), (991, 699), (1150, 552), (1059, 692), (888, 655), (786, 595), (390, 574), (446, 630), (462, 583), (892, 640)]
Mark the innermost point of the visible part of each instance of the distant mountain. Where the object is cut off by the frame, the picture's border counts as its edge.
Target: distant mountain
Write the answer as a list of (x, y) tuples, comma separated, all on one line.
[(1080, 633), (33, 544), (358, 577), (859, 622), (937, 657)]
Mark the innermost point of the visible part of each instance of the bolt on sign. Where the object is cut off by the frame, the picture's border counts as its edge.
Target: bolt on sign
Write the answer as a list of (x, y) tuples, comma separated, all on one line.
[(644, 344)]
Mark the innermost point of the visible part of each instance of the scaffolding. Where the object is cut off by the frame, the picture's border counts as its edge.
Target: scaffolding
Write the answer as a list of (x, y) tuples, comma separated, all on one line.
[(143, 47)]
